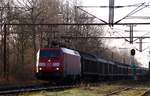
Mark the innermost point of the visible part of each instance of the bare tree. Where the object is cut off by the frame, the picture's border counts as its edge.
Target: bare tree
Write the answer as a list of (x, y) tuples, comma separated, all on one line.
[(23, 41)]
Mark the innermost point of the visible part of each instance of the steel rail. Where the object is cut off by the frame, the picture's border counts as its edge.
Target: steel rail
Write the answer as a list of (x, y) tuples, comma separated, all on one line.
[(146, 93), (118, 6), (118, 91)]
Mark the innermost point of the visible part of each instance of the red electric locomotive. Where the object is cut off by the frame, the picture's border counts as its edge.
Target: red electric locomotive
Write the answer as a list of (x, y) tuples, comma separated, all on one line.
[(58, 62), (64, 62)]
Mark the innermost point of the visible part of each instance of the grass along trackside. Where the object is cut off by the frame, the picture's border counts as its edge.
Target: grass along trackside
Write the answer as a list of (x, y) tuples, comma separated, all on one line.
[(100, 89)]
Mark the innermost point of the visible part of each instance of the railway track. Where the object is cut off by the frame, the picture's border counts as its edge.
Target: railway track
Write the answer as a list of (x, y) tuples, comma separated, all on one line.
[(17, 90), (146, 93), (115, 92), (118, 91), (43, 86), (11, 91)]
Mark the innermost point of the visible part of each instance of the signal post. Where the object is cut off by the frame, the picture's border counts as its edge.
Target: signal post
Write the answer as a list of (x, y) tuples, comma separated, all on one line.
[(132, 64)]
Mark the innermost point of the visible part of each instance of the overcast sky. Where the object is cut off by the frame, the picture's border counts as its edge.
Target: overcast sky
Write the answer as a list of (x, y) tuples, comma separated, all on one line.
[(102, 13)]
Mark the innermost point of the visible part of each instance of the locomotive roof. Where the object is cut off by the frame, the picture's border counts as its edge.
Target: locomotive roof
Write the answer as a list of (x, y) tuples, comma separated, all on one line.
[(69, 51), (64, 50)]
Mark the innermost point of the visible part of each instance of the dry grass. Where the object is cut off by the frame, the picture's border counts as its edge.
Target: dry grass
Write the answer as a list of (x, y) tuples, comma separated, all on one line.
[(88, 90), (100, 90)]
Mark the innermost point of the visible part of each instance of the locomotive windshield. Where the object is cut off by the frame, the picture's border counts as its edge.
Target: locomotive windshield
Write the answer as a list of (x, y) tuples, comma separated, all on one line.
[(50, 53)]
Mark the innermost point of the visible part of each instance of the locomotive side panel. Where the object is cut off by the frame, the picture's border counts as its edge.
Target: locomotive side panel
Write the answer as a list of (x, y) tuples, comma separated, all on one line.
[(72, 62), (72, 65)]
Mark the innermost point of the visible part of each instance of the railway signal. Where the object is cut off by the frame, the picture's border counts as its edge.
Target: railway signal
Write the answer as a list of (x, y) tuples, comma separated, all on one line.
[(133, 65), (132, 52)]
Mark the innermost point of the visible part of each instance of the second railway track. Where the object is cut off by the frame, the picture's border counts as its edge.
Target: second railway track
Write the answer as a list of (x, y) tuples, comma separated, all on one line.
[(118, 91), (17, 90), (146, 93)]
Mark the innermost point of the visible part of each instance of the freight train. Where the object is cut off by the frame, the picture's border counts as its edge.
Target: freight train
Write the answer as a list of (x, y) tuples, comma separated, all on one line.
[(64, 62)]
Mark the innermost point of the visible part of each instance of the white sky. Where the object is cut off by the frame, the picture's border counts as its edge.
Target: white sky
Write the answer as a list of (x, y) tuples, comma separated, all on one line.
[(102, 13)]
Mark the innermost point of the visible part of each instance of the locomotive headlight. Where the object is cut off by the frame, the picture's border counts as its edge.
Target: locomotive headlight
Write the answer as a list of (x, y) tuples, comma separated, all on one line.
[(57, 68), (40, 68), (49, 60), (56, 64)]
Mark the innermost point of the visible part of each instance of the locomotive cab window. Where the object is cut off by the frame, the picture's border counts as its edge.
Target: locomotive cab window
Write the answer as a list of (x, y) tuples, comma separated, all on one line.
[(50, 53)]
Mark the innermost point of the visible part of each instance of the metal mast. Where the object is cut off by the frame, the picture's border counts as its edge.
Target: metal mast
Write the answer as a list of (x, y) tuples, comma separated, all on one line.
[(111, 12)]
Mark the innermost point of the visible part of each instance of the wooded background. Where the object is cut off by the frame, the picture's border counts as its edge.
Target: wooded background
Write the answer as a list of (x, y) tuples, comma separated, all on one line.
[(23, 41)]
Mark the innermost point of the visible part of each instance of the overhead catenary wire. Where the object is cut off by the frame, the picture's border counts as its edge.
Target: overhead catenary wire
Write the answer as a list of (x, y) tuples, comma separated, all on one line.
[(92, 15), (140, 7), (118, 6), (138, 17)]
